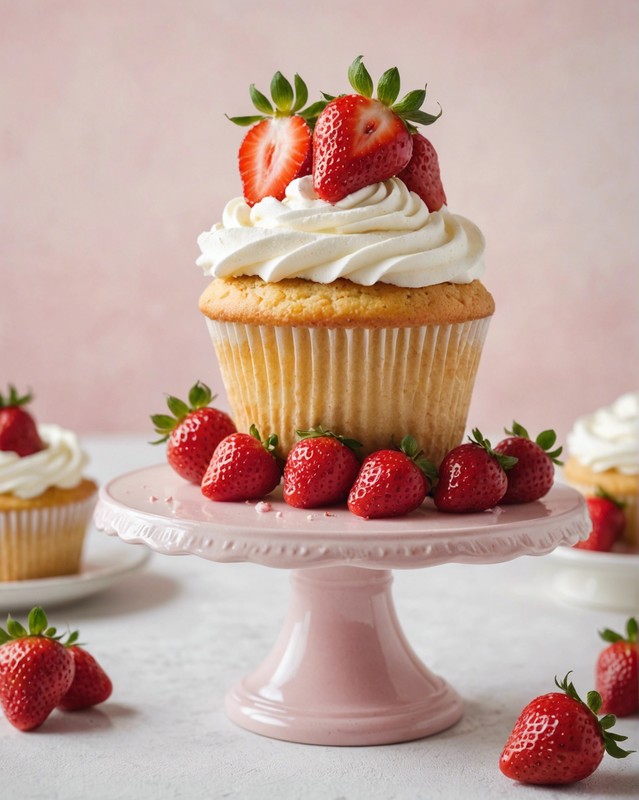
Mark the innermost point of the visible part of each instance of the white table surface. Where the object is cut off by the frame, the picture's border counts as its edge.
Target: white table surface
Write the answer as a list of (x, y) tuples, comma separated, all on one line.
[(175, 636)]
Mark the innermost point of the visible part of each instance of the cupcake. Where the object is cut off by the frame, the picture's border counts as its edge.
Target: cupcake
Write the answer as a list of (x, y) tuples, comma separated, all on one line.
[(603, 452), (45, 502), (349, 297)]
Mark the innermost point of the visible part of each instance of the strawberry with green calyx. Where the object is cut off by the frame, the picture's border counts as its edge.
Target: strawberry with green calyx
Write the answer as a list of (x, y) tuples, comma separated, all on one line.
[(558, 739), (193, 431), (533, 475), (320, 469), (278, 147), (18, 430), (392, 483), (36, 670), (616, 672), (472, 477), (608, 522), (243, 467), (359, 140)]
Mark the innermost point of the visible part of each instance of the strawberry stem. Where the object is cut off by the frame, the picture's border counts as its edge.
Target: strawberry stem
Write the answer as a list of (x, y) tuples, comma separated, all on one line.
[(14, 398), (318, 432), (593, 704), (200, 396), (38, 626), (506, 462)]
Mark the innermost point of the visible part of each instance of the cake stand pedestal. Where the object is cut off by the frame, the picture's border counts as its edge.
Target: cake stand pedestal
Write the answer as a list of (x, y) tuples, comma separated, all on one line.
[(341, 671)]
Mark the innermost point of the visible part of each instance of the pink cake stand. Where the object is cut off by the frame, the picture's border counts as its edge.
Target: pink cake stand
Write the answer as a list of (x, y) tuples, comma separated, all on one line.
[(341, 671)]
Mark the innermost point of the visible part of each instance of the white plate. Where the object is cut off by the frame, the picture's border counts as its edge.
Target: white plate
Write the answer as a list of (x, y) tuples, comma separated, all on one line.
[(106, 562), (596, 580)]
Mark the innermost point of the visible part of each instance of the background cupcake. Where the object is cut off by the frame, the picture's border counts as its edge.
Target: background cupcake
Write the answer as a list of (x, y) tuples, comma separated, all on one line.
[(603, 451), (45, 502)]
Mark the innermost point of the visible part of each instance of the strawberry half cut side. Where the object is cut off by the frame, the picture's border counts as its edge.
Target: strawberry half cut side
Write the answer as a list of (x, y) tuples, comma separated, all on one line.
[(278, 147)]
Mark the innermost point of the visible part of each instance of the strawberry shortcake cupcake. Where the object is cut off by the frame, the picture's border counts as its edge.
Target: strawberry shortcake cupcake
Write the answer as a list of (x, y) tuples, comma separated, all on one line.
[(45, 502), (345, 293), (603, 454)]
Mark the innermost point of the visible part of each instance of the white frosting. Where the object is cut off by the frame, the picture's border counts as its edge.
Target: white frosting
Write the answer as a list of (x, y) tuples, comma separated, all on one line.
[(381, 233), (60, 464), (609, 437)]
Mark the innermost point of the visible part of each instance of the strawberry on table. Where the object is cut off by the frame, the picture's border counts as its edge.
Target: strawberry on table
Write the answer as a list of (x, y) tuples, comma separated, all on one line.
[(392, 483), (91, 685), (608, 522), (18, 430), (243, 467), (320, 469), (193, 432), (359, 140), (558, 739), (531, 478), (421, 174), (278, 147), (472, 477), (36, 670), (616, 677)]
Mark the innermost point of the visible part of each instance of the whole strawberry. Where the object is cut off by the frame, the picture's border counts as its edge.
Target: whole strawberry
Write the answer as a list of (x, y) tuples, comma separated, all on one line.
[(36, 670), (421, 174), (91, 685), (278, 147), (18, 430), (391, 483), (531, 478), (616, 677), (608, 522), (359, 140), (320, 469), (243, 467), (193, 432), (472, 477), (558, 739)]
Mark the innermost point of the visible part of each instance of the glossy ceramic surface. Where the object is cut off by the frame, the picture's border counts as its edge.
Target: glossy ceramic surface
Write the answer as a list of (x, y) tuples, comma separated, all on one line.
[(341, 671), (597, 580), (171, 516)]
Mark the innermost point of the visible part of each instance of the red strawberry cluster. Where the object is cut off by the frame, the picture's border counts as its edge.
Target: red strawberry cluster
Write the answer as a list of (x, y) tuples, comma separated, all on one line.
[(323, 469), (346, 142), (39, 672), (18, 430)]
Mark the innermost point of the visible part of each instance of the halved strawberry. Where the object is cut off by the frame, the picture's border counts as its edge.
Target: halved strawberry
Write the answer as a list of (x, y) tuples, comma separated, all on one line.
[(278, 148), (359, 140)]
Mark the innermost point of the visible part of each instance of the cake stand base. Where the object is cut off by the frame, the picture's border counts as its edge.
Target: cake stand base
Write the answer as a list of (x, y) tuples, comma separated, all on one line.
[(342, 671)]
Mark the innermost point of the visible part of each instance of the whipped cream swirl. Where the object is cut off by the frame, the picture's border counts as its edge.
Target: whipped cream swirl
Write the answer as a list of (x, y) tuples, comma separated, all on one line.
[(381, 233), (60, 464), (609, 437)]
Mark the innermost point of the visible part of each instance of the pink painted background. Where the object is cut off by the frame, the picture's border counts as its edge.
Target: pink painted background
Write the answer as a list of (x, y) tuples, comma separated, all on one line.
[(115, 154)]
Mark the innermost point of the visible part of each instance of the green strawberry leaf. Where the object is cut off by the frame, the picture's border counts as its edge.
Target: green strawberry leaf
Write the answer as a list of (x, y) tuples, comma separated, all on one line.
[(301, 94), (282, 93), (411, 102), (37, 621), (260, 101), (388, 86), (359, 78), (244, 122)]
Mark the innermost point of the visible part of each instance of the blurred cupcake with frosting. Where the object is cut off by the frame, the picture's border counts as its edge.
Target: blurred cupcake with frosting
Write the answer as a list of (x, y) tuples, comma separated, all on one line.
[(603, 454), (45, 500)]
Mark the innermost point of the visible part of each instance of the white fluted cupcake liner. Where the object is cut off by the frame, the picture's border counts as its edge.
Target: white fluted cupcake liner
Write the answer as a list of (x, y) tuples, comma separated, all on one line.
[(43, 542), (374, 385)]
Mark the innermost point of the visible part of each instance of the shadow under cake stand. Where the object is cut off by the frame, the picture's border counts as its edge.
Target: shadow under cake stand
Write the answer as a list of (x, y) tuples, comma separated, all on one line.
[(341, 671)]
